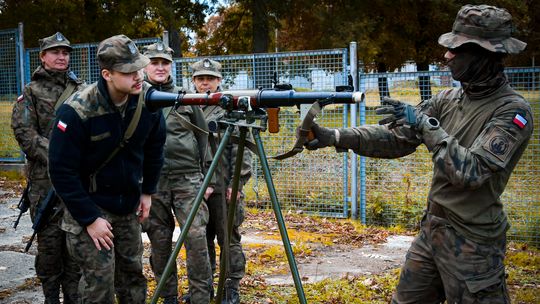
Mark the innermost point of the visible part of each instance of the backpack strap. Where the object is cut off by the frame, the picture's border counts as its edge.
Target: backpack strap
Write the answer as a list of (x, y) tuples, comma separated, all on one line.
[(127, 135)]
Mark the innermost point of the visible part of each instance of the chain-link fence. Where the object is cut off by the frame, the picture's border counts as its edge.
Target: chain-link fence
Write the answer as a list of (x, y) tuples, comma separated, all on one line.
[(305, 181), (396, 190), (10, 88), (390, 192)]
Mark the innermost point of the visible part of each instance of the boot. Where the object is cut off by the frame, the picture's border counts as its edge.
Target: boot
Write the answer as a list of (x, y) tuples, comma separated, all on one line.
[(52, 300), (186, 299), (170, 300), (231, 296)]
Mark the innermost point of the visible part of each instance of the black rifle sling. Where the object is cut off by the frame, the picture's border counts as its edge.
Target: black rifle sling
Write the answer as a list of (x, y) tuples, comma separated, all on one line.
[(303, 132), (127, 135)]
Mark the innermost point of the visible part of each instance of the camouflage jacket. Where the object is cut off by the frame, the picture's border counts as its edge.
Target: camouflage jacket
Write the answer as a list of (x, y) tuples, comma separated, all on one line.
[(185, 151), (214, 113), (33, 114), (473, 161), (87, 129)]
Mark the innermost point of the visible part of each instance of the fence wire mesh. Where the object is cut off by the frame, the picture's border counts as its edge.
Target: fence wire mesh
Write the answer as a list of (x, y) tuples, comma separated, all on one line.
[(396, 190), (10, 88), (313, 181)]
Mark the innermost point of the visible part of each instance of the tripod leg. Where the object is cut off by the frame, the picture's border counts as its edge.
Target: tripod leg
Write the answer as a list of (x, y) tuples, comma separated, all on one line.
[(279, 217), (224, 265), (192, 213)]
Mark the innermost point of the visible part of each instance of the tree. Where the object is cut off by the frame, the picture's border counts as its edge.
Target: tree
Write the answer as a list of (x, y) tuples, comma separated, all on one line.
[(95, 20)]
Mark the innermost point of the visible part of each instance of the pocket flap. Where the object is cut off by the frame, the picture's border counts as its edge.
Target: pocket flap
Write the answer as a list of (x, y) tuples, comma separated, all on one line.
[(485, 280)]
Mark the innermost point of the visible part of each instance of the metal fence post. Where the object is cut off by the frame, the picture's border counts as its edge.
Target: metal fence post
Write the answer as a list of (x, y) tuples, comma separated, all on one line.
[(353, 62), (20, 56)]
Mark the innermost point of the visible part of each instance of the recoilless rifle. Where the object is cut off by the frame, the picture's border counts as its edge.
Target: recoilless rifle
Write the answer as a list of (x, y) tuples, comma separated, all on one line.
[(243, 109)]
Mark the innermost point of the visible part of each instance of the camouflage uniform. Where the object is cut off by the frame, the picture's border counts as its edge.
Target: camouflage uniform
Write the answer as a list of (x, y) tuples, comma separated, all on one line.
[(180, 181), (224, 173), (88, 128), (32, 118), (482, 130)]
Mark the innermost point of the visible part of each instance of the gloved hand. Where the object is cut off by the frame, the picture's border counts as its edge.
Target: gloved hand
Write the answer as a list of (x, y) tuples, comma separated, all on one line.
[(401, 114), (323, 137)]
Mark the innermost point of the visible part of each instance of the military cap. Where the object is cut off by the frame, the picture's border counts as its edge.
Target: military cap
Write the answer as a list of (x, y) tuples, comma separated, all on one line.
[(56, 40), (487, 26), (158, 50), (206, 67), (119, 53)]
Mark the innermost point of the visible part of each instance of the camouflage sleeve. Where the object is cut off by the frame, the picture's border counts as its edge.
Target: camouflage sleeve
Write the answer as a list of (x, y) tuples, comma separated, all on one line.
[(25, 125), (202, 139), (378, 141), (498, 147)]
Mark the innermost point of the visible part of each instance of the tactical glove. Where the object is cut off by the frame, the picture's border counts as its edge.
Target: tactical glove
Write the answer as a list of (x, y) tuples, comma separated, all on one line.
[(401, 114), (323, 137)]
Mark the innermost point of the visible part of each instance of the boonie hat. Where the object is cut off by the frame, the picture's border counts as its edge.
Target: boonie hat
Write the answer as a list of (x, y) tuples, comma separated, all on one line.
[(158, 50), (56, 40), (487, 26), (206, 67), (119, 53)]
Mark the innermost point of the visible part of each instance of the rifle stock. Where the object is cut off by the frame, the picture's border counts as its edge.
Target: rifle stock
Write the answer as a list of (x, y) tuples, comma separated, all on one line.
[(23, 205), (45, 211)]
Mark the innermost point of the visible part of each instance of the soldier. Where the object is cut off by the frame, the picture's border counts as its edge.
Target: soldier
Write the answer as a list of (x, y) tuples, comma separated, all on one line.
[(33, 115), (207, 78), (181, 179), (476, 134), (105, 157)]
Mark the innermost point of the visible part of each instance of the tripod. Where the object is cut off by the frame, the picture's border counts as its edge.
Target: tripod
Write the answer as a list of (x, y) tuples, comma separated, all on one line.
[(244, 120)]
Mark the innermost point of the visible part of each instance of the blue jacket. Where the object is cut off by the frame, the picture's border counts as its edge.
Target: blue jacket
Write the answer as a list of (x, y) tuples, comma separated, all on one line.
[(87, 129)]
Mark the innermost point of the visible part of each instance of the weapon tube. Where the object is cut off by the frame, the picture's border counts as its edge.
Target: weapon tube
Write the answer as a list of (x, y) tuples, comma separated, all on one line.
[(243, 99)]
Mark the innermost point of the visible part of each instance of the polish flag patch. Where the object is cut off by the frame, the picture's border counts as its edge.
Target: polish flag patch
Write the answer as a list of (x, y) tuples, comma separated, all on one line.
[(20, 98), (62, 126), (520, 121)]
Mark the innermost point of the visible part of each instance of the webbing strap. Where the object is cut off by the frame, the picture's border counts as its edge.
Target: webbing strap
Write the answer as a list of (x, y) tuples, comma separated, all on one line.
[(303, 132), (67, 92), (127, 135)]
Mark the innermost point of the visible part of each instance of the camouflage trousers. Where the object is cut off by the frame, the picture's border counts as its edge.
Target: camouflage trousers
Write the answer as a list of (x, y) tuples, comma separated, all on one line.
[(54, 266), (442, 265), (106, 272), (176, 194), (217, 227)]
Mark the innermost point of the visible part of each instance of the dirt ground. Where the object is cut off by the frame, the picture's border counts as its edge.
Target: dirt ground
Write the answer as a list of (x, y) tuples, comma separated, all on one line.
[(17, 274)]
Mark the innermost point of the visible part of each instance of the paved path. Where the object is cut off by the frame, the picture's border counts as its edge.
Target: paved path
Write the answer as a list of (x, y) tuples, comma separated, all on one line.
[(16, 267)]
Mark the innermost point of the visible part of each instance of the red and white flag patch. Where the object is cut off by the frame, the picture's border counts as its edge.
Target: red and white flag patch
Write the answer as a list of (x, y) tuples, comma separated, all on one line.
[(62, 126), (520, 121), (20, 98)]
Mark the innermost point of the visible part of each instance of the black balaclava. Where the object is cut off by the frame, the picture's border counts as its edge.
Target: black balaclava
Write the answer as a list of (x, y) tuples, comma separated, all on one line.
[(479, 70)]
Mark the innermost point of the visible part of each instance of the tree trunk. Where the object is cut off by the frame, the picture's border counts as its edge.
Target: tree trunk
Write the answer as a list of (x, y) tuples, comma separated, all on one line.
[(264, 67), (424, 82), (382, 81), (174, 41)]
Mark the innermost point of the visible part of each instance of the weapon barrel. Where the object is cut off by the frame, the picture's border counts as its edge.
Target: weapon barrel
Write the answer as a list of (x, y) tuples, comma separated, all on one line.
[(257, 98)]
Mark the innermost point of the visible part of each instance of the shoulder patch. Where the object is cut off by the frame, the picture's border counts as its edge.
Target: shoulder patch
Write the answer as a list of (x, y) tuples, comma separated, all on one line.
[(62, 126), (20, 98), (499, 143), (519, 121)]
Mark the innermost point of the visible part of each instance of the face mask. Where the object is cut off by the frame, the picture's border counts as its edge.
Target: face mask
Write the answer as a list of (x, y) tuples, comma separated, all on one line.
[(473, 64)]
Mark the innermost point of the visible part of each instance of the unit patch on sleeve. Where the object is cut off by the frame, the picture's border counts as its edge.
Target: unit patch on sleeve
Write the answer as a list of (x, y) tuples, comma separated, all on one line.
[(499, 143)]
